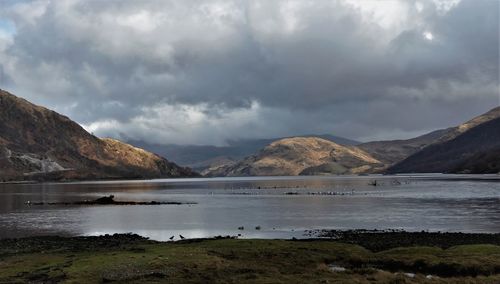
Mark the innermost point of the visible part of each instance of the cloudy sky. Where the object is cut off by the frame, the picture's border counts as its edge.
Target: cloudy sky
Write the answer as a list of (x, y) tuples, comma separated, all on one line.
[(201, 72)]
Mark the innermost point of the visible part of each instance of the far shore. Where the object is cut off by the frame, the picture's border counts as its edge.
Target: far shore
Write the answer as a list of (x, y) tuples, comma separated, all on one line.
[(429, 176)]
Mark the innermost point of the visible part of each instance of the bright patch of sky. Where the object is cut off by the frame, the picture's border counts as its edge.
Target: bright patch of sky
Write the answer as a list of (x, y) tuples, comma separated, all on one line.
[(428, 35), (7, 28)]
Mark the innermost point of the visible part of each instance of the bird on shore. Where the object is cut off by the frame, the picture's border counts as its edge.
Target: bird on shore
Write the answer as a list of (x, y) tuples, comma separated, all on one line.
[(182, 237), (172, 238)]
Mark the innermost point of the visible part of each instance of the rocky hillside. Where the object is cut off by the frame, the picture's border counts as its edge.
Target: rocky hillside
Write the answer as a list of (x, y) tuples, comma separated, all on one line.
[(473, 147), (302, 156), (39, 143), (458, 130), (202, 157)]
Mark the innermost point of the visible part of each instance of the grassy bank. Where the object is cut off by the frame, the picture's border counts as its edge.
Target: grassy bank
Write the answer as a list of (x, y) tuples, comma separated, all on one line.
[(132, 259)]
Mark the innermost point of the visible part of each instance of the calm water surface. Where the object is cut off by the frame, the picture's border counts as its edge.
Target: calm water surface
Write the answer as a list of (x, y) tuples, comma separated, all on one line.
[(283, 207)]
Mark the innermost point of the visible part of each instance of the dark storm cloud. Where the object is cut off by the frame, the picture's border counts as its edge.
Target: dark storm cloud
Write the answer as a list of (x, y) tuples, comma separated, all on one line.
[(202, 72)]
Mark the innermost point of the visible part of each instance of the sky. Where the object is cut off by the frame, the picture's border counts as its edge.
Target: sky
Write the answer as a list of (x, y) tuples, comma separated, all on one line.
[(203, 72)]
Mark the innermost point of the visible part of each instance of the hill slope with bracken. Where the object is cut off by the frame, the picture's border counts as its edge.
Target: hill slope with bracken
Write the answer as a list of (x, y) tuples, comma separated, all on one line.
[(302, 156), (202, 157), (36, 142), (473, 147)]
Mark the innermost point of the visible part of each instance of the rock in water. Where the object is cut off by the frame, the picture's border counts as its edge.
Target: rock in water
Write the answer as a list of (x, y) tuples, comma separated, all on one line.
[(105, 200)]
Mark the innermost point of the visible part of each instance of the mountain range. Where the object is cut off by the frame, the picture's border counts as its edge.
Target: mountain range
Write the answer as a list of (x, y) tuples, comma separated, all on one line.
[(472, 147), (37, 143)]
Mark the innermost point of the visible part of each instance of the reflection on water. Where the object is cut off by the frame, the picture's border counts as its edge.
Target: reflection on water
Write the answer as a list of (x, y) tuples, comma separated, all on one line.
[(282, 206)]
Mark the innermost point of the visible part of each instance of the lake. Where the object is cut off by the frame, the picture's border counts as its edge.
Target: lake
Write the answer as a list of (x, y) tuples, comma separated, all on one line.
[(267, 207)]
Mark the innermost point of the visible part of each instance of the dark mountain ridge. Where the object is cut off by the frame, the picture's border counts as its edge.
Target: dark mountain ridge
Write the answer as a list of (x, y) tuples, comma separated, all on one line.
[(471, 147), (392, 151), (476, 150)]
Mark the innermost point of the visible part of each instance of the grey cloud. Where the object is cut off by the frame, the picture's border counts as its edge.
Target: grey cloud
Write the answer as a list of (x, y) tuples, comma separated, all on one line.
[(308, 66)]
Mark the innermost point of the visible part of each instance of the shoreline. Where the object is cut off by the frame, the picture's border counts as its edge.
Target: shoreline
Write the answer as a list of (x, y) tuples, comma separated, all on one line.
[(354, 256), (345, 235), (373, 239)]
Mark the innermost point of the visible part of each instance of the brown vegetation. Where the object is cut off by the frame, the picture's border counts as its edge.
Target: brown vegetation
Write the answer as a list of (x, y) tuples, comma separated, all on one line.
[(302, 155), (39, 143)]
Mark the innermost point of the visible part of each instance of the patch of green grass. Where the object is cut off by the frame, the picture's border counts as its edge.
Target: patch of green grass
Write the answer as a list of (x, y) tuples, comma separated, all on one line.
[(466, 260), (251, 261)]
